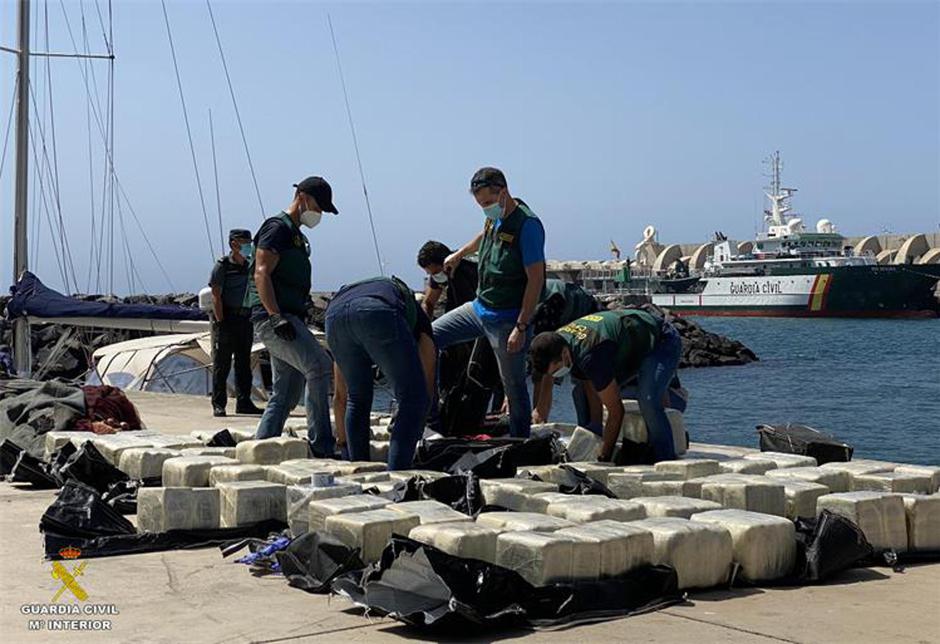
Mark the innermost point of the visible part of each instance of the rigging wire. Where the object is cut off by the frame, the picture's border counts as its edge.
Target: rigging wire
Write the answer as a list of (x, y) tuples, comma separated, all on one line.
[(192, 149), (352, 129), (238, 116), (6, 136), (215, 172), (44, 205)]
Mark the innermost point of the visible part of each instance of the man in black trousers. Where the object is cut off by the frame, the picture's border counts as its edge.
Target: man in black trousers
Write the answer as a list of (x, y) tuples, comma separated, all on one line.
[(233, 332)]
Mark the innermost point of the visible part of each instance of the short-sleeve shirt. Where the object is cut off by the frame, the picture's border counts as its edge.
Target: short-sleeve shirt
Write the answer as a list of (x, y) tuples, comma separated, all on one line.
[(232, 278), (277, 236), (598, 365), (461, 287)]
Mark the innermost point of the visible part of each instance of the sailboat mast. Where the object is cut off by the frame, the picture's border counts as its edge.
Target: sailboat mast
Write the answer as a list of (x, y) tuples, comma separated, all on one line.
[(21, 340)]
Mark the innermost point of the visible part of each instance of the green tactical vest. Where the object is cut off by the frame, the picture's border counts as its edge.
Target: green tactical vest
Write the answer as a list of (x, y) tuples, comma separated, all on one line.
[(633, 330), (291, 276), (502, 274)]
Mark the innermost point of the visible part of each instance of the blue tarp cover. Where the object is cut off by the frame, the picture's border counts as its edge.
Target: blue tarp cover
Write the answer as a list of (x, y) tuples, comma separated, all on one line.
[(32, 297)]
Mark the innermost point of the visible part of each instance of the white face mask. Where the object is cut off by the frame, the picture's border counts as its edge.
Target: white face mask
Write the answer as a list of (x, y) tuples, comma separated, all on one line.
[(440, 278), (310, 218)]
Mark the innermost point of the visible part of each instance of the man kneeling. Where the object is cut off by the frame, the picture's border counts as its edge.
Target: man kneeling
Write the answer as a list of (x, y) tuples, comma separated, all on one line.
[(603, 351)]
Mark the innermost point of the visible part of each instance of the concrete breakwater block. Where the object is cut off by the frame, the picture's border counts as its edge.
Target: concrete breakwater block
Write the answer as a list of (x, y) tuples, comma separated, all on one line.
[(923, 521), (370, 530), (429, 512), (523, 522), (922, 470), (802, 497), (299, 497), (674, 506), (880, 516), (177, 508), (584, 445), (767, 497), (690, 468), (461, 539), (588, 508), (626, 483), (145, 462), (318, 511), (764, 545), (191, 471), (782, 459), (621, 549), (247, 502), (238, 472), (700, 552), (545, 557), (900, 482), (512, 493), (227, 452), (835, 480), (691, 489), (747, 466)]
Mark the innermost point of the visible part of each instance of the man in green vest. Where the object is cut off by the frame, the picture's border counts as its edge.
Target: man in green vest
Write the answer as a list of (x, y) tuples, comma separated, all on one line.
[(278, 294), (603, 351), (511, 271)]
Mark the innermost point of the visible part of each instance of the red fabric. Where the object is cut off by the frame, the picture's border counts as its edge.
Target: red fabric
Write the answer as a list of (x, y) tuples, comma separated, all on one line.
[(103, 402)]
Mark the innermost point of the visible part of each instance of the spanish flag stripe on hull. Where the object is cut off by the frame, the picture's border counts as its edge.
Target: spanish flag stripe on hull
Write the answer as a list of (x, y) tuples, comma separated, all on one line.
[(817, 299)]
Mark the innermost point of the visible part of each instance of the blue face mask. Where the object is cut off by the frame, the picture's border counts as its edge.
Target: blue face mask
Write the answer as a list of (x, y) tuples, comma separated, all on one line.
[(561, 373), (246, 250), (494, 211)]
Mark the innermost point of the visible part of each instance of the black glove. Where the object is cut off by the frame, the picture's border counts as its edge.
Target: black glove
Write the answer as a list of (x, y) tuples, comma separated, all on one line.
[(283, 328)]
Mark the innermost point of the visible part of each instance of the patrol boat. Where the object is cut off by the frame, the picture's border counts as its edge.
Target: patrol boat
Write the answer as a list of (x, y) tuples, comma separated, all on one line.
[(789, 271)]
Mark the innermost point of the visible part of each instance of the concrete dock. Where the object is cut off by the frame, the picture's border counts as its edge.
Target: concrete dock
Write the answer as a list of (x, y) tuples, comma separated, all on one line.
[(196, 596)]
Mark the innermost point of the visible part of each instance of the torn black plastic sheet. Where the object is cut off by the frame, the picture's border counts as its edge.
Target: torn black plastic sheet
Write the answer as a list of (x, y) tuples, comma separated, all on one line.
[(425, 587)]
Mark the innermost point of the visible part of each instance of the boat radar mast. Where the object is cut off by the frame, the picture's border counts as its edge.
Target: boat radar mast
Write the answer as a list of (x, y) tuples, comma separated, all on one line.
[(779, 219)]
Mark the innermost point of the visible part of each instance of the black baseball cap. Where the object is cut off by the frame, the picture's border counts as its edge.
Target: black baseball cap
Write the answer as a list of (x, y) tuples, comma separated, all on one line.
[(487, 178), (238, 233), (319, 189)]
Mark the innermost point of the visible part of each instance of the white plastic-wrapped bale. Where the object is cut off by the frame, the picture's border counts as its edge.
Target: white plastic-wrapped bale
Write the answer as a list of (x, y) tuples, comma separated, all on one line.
[(767, 497), (191, 471), (856, 468), (368, 477), (54, 441), (584, 445), (550, 473), (227, 452), (293, 447), (691, 489), (523, 521), (627, 483), (782, 459), (378, 451), (172, 441), (923, 470), (624, 546), (900, 482), (802, 497), (300, 496), (764, 545), (588, 508), (345, 468), (562, 429), (319, 511), (239, 472), (380, 433), (266, 451), (880, 516), (747, 466), (923, 521), (370, 530), (243, 434), (512, 493), (404, 475), (177, 508), (545, 557), (689, 468), (710, 455), (674, 506), (145, 462), (248, 502), (291, 474), (835, 480), (634, 429), (464, 539), (539, 502), (111, 445), (701, 553), (596, 471), (429, 511)]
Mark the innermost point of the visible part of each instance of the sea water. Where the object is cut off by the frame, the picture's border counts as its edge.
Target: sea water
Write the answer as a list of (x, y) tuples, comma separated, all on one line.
[(874, 384)]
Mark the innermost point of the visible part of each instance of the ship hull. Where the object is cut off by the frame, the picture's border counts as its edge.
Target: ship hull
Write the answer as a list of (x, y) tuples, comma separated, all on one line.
[(851, 291)]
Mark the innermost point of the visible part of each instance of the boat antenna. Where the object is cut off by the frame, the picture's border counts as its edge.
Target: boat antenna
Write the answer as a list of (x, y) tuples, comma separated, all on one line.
[(352, 129)]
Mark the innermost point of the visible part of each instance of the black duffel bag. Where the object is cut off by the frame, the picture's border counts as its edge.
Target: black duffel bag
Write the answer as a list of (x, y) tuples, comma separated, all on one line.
[(800, 439)]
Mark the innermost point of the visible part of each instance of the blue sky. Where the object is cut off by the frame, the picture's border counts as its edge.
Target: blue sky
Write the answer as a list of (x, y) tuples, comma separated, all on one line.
[(605, 117)]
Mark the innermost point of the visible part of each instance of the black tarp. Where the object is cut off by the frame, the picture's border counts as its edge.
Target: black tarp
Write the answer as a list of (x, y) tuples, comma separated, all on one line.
[(490, 458), (800, 439), (574, 481)]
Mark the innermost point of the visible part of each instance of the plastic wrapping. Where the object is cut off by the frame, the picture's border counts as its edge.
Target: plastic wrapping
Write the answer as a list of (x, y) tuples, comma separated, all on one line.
[(800, 439)]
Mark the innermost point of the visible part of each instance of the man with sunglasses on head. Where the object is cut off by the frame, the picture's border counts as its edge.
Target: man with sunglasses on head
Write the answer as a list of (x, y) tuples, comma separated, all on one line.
[(511, 267)]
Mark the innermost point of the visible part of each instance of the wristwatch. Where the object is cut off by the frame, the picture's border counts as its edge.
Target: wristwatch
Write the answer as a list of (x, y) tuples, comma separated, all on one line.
[(521, 327)]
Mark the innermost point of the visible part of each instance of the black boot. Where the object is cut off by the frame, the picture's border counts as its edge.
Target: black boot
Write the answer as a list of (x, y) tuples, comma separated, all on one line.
[(248, 408), (218, 412)]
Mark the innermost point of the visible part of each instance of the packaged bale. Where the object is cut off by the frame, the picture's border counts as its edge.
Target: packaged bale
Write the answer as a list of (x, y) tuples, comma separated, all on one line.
[(512, 493), (764, 545), (782, 459), (542, 558), (634, 429), (145, 462), (923, 521), (370, 530), (923, 470), (293, 447), (266, 451), (627, 483), (523, 521), (248, 502), (54, 441), (620, 550), (318, 511), (691, 489), (238, 472), (548, 473), (464, 539), (585, 509), (368, 477), (766, 497), (595, 470), (404, 475), (674, 506), (639, 540), (855, 468), (584, 445), (835, 480), (899, 482), (747, 466), (689, 468), (429, 512), (701, 553), (378, 451), (802, 497), (111, 445), (177, 508), (539, 502), (191, 471), (881, 517), (227, 452), (299, 498)]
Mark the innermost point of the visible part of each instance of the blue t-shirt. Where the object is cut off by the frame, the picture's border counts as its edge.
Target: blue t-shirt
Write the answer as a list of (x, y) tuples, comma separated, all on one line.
[(532, 246)]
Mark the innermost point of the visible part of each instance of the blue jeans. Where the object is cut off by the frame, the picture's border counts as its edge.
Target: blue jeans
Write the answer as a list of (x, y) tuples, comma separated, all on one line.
[(653, 378), (364, 332), (463, 324), (293, 364), (582, 408)]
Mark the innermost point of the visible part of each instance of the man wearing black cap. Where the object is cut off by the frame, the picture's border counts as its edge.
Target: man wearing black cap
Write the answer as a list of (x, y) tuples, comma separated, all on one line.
[(278, 294), (233, 333)]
